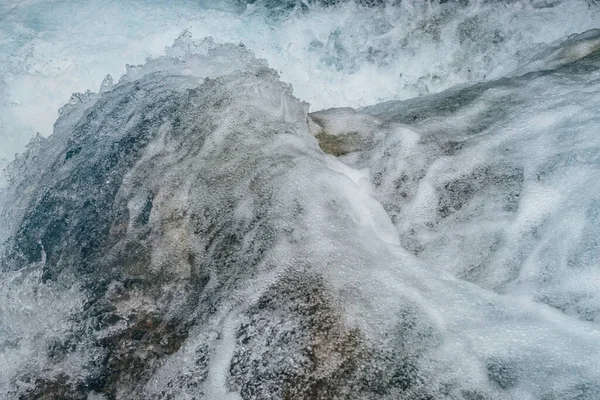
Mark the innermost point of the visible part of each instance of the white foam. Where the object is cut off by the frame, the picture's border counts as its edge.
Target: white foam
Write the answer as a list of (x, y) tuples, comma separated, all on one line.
[(342, 56), (513, 208)]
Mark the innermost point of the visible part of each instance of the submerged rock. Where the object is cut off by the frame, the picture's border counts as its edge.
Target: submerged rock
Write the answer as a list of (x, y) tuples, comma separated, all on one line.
[(190, 239)]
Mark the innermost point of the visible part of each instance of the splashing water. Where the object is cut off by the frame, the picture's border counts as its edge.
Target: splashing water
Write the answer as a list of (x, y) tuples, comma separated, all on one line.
[(346, 55), (192, 231)]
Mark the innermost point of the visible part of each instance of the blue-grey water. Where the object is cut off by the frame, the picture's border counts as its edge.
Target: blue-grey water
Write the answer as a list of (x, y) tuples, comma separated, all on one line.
[(300, 200)]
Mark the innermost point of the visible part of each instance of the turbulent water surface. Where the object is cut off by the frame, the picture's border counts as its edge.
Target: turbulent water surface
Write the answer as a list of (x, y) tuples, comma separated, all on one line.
[(300, 200)]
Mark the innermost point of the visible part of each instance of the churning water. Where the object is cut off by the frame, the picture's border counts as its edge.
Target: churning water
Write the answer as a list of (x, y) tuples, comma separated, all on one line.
[(300, 200)]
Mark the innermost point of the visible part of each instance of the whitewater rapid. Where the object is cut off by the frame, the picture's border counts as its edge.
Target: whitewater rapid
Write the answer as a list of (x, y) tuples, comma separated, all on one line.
[(343, 56), (203, 224)]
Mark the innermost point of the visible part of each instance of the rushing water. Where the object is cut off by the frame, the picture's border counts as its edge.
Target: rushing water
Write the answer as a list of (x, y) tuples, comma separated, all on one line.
[(208, 226), (343, 56)]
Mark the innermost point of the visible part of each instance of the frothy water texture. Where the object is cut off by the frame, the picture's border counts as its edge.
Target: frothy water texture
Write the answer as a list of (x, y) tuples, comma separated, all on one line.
[(300, 200), (344, 56)]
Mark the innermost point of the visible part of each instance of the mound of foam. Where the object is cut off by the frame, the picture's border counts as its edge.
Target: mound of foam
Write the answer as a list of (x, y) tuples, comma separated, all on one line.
[(199, 244)]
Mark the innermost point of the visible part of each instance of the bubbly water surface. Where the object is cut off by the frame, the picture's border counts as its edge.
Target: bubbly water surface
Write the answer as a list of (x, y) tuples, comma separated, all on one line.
[(439, 239)]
